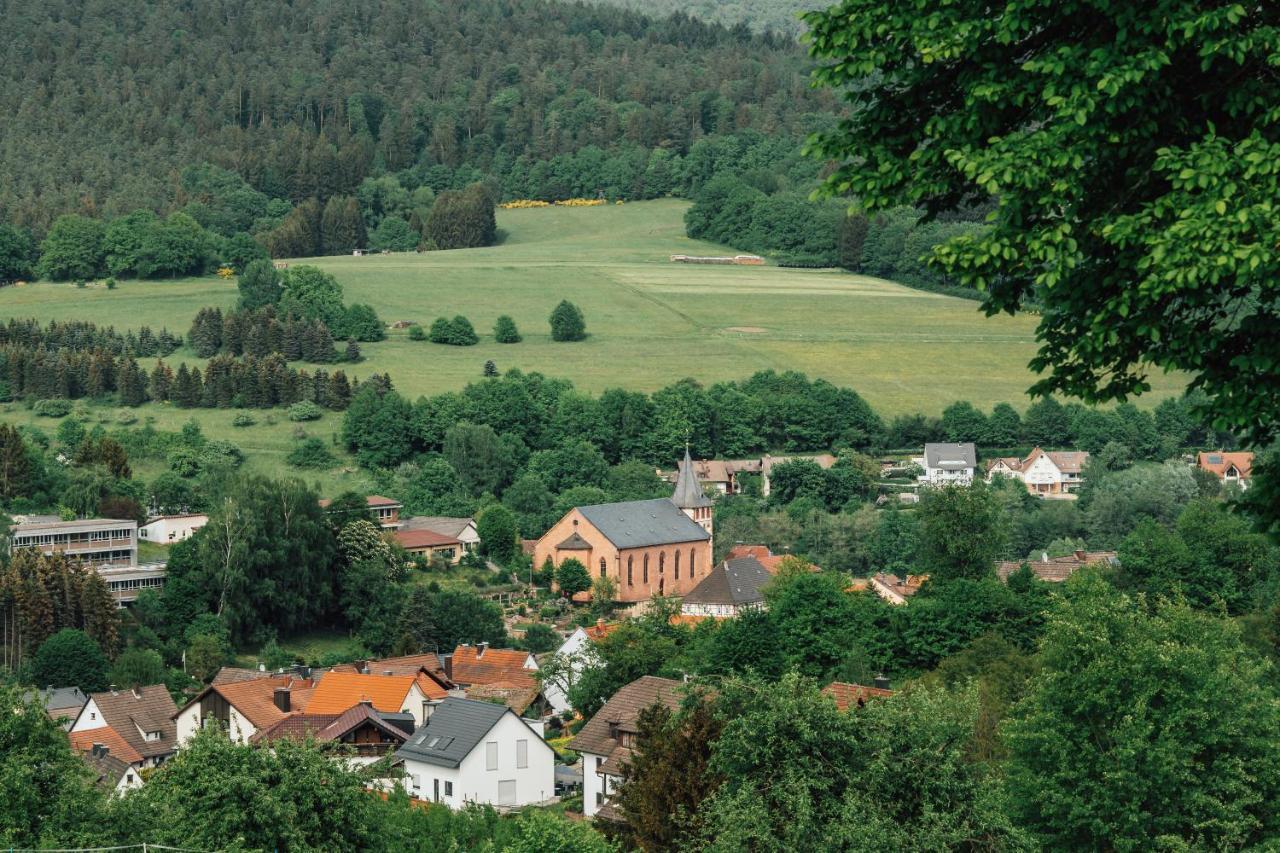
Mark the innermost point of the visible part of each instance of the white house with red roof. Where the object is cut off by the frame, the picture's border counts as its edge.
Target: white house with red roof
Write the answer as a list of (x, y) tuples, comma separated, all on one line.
[(1047, 473)]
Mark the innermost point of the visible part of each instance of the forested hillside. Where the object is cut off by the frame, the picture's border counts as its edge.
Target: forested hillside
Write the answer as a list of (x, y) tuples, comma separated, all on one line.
[(780, 16), (107, 102)]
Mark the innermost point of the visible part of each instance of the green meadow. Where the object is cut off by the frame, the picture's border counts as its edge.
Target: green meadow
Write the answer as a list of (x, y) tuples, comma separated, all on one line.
[(650, 321)]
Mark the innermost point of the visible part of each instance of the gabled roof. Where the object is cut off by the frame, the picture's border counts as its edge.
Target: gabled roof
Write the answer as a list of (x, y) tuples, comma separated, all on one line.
[(455, 728), (849, 696), (481, 665), (324, 728), (107, 769), (574, 542), (737, 582), (373, 502), (83, 741), (822, 460), (130, 713), (339, 691), (254, 699), (1220, 462), (67, 700), (688, 493), (949, 456), (639, 524), (1066, 461), (622, 710)]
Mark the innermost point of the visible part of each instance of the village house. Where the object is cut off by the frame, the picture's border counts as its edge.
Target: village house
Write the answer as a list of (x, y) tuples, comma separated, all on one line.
[(848, 695), (110, 772), (362, 734), (470, 665), (647, 548), (607, 739), (167, 529), (1048, 474), (1057, 569), (894, 589), (730, 589), (243, 707), (337, 692), (727, 476), (62, 704), (947, 464), (1231, 468), (386, 511), (460, 530), (575, 653), (140, 719), (429, 664), (478, 752), (430, 544)]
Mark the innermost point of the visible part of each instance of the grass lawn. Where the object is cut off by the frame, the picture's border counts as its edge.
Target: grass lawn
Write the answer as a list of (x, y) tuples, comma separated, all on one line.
[(310, 646), (651, 322)]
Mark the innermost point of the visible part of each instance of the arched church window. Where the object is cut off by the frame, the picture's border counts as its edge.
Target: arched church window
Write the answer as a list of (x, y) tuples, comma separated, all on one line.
[(603, 567), (645, 577), (630, 580), (677, 565)]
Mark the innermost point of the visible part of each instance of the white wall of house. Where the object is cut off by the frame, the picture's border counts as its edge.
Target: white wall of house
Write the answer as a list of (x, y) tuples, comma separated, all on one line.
[(596, 789), (469, 538), (492, 772), (719, 611), (165, 531), (1042, 474), (188, 723), (576, 652), (90, 718), (130, 780)]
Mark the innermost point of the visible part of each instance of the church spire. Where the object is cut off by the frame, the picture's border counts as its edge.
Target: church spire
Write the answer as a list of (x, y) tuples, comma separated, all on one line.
[(689, 494)]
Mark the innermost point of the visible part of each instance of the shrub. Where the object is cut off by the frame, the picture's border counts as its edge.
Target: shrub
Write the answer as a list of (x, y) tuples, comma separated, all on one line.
[(311, 453), (490, 369), (505, 331), (244, 419), (56, 408), (111, 283), (304, 410), (457, 332), (567, 323), (417, 333)]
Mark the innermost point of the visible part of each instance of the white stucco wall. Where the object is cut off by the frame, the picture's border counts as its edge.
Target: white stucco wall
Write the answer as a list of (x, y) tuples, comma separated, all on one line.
[(474, 782)]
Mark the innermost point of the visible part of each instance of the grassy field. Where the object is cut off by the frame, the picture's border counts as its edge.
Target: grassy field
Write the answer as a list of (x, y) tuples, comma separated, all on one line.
[(651, 322)]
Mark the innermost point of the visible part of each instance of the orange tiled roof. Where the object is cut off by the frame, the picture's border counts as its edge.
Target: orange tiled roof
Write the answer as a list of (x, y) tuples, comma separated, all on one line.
[(83, 742), (853, 695), (1219, 462), (403, 665), (255, 700), (602, 629), (471, 666), (339, 691)]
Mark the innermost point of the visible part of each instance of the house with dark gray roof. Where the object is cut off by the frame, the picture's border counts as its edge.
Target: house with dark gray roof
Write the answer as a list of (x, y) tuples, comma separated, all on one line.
[(734, 586), (471, 751), (647, 548), (62, 704), (948, 463)]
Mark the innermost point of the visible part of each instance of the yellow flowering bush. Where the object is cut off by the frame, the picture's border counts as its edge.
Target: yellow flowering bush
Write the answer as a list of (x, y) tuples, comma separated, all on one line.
[(225, 272)]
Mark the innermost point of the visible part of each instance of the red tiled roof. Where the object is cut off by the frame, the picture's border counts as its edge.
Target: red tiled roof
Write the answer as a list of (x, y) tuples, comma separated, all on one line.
[(853, 695), (428, 663), (255, 699), (83, 741), (601, 629), (409, 539), (474, 665)]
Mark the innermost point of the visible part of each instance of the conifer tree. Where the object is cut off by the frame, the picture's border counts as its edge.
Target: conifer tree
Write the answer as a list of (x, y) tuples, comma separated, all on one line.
[(186, 388), (17, 474), (133, 384), (567, 323), (161, 382), (353, 351), (504, 330), (339, 396), (101, 617)]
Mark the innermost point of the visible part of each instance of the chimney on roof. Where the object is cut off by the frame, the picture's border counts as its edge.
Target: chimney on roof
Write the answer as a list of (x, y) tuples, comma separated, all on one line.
[(361, 666), (1081, 556), (282, 699), (137, 691), (481, 648), (101, 750), (1044, 556), (599, 623), (881, 682), (262, 667), (112, 688)]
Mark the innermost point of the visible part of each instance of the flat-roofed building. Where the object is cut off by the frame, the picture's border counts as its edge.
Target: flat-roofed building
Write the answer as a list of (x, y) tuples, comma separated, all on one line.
[(98, 541)]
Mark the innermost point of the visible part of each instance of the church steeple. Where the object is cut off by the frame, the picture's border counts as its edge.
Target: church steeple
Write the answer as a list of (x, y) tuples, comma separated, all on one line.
[(689, 496)]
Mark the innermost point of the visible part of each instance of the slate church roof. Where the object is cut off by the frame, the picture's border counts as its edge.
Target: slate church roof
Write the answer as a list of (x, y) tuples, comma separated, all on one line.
[(639, 524)]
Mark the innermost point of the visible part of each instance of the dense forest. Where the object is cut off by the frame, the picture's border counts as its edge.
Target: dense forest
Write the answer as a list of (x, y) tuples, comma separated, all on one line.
[(110, 102), (758, 15)]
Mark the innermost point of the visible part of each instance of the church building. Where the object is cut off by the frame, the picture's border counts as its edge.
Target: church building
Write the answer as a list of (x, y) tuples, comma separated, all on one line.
[(654, 547)]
